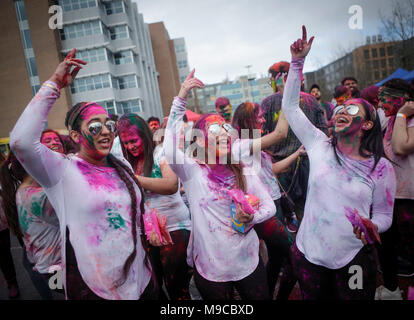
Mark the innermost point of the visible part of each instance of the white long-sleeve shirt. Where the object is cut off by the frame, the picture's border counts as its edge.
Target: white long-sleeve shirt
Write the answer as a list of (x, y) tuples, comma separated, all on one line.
[(219, 252), (325, 235), (90, 200)]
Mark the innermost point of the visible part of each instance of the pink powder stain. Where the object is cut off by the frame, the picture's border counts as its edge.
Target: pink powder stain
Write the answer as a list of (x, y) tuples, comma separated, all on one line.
[(93, 110), (390, 199), (99, 177)]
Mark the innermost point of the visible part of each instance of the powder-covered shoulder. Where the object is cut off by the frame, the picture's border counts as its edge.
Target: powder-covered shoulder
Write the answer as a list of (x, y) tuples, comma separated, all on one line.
[(383, 170)]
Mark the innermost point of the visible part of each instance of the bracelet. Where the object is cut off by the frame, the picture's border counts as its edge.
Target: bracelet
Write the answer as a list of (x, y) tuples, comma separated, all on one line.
[(52, 87), (401, 115)]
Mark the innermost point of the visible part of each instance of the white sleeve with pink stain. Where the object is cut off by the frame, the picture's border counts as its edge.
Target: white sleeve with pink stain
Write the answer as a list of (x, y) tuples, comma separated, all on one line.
[(43, 164), (301, 126), (176, 158), (383, 195), (267, 208)]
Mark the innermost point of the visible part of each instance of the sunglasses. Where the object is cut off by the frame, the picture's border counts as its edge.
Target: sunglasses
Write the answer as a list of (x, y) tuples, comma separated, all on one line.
[(216, 127), (351, 109), (96, 127)]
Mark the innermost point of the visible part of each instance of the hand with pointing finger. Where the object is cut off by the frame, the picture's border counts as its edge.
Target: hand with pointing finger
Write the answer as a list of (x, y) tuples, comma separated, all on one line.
[(301, 47), (63, 76), (189, 84)]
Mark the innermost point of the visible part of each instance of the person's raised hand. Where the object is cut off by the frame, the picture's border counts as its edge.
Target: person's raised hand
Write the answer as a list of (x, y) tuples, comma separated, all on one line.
[(189, 84), (301, 47), (407, 109), (64, 75)]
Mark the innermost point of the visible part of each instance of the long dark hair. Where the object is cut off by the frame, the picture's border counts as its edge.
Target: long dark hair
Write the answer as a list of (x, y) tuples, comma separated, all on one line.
[(237, 169), (128, 177), (245, 117), (12, 174), (371, 140), (132, 120)]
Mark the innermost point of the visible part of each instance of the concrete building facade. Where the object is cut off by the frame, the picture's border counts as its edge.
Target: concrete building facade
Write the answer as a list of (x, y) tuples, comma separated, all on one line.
[(30, 53), (182, 58), (113, 38), (166, 64)]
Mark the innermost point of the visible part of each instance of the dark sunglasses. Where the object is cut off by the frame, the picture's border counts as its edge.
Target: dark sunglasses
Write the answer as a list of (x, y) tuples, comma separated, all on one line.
[(96, 127)]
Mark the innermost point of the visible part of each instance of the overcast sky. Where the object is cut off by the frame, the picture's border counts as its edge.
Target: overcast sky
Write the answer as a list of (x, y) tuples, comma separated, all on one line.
[(224, 36)]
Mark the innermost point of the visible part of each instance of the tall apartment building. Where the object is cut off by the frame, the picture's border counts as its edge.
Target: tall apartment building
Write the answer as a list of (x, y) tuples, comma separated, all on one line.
[(182, 58), (30, 53), (113, 38), (166, 64), (369, 64)]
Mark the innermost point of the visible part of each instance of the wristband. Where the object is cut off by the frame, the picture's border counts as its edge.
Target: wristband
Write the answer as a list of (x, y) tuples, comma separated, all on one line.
[(52, 87), (401, 115)]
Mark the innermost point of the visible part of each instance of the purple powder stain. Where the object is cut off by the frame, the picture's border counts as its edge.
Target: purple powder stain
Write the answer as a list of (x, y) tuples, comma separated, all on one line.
[(390, 198)]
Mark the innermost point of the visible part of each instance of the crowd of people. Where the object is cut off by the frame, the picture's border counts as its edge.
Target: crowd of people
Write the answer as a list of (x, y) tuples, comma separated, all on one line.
[(134, 209)]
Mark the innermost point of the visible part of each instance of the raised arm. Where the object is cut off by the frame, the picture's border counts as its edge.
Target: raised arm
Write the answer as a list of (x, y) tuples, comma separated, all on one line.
[(43, 164), (306, 132), (165, 185), (176, 159), (403, 133)]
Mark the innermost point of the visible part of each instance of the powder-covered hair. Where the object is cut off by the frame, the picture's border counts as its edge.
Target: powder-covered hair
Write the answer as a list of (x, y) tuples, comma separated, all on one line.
[(245, 117), (131, 120)]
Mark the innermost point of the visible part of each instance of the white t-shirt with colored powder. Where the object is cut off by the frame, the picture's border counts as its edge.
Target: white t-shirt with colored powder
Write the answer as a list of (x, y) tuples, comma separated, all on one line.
[(404, 170), (91, 201), (325, 236), (219, 252)]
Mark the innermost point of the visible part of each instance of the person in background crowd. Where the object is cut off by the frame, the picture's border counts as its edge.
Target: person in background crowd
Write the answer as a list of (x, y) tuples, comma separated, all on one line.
[(6, 259), (327, 107), (352, 84), (294, 180), (397, 250), (341, 94), (154, 124), (371, 95), (224, 108)]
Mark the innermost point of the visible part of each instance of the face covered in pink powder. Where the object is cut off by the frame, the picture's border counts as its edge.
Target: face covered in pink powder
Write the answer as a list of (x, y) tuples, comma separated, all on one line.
[(351, 124), (51, 140), (132, 141), (98, 144)]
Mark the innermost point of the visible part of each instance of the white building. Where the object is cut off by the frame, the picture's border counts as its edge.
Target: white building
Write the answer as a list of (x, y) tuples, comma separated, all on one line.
[(182, 58), (113, 38)]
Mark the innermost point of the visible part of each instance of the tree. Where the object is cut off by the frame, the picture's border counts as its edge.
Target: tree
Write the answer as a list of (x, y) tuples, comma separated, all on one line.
[(399, 25)]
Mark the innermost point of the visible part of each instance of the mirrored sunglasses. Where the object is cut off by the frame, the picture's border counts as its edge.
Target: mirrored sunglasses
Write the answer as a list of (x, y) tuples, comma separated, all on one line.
[(351, 109), (96, 127), (215, 128)]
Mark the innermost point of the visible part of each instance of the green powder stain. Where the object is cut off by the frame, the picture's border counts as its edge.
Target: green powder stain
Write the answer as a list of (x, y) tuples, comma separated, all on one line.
[(156, 172), (36, 209), (88, 138), (115, 220), (24, 219)]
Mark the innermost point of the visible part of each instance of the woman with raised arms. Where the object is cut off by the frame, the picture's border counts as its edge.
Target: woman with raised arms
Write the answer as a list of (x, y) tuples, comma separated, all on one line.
[(223, 258), (95, 195), (351, 188)]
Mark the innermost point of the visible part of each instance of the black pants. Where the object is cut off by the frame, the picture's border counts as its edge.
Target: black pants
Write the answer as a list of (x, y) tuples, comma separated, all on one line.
[(398, 239), (320, 283), (170, 265), (77, 289), (278, 242), (253, 287), (6, 259)]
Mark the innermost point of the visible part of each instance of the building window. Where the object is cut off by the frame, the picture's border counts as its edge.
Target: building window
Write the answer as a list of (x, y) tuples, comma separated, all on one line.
[(391, 62), (368, 64), (182, 64), (114, 7), (180, 48), (118, 32), (127, 82), (383, 63), (384, 74), (123, 57), (92, 55), (109, 106), (80, 30), (374, 53), (390, 50), (377, 75), (27, 44), (382, 52), (131, 106), (90, 83), (376, 64), (69, 5)]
